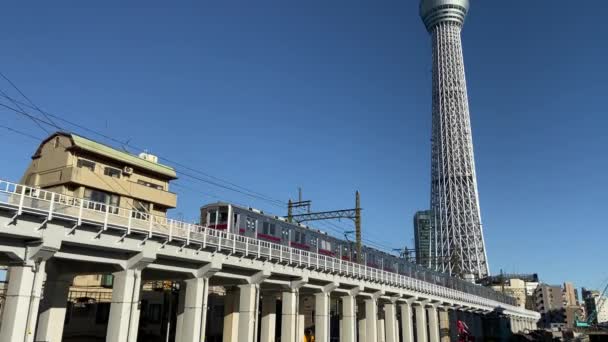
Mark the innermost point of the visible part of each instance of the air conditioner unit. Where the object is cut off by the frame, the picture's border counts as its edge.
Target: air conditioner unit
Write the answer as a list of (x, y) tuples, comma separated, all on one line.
[(127, 170)]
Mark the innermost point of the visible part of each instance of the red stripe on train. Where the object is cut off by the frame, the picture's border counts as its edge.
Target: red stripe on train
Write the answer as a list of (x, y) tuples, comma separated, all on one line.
[(326, 252), (269, 237), (300, 246), (219, 226)]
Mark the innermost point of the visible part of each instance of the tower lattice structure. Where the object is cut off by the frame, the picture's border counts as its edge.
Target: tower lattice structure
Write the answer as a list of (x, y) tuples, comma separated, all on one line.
[(458, 233)]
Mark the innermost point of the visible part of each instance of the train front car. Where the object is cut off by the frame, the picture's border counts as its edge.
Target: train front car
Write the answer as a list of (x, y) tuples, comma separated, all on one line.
[(255, 223)]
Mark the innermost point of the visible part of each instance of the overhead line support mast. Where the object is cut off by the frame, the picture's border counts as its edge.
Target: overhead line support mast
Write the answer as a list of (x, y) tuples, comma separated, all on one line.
[(353, 214)]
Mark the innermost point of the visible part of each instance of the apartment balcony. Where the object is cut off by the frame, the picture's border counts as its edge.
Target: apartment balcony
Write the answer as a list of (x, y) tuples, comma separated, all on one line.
[(121, 186)]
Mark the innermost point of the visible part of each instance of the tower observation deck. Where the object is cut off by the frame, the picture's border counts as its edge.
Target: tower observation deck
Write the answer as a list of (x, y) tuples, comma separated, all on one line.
[(460, 247)]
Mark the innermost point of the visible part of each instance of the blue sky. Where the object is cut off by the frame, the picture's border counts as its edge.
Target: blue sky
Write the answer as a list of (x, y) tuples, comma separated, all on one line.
[(334, 96)]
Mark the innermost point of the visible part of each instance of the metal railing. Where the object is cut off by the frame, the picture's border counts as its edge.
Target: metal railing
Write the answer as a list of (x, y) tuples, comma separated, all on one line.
[(106, 216)]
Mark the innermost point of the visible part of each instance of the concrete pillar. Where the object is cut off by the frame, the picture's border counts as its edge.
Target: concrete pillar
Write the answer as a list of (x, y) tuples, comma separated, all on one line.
[(322, 317), (301, 329), (269, 319), (381, 330), (349, 317), (444, 325), (390, 320), (289, 316), (361, 329), (179, 319), (231, 317), (124, 309), (407, 329), (21, 303), (361, 323), (421, 335), (371, 320), (53, 308), (248, 312), (433, 323), (192, 321)]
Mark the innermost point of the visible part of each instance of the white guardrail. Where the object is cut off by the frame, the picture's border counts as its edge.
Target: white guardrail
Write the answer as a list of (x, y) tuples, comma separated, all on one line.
[(53, 204)]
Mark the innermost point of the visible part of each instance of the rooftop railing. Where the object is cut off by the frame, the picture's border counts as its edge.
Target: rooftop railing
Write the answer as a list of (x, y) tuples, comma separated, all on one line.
[(52, 204)]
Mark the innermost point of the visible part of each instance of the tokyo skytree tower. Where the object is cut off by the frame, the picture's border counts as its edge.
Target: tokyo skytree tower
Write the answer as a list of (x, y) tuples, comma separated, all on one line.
[(459, 243)]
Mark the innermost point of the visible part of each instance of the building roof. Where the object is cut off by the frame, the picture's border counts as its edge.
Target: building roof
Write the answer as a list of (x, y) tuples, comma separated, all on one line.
[(112, 153)]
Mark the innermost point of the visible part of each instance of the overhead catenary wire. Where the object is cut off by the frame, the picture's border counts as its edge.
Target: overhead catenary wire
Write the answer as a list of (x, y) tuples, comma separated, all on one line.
[(242, 189), (38, 120), (27, 98), (234, 187), (326, 224), (179, 171)]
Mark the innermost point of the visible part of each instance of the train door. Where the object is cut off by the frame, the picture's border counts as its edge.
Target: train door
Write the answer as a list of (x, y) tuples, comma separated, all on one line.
[(251, 225), (236, 222), (285, 233)]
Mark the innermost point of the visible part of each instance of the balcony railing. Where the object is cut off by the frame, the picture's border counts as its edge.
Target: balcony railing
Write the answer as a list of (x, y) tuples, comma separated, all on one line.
[(51, 204)]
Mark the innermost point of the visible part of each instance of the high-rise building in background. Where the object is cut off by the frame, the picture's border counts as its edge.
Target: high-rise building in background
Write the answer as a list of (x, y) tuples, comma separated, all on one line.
[(454, 199), (570, 294), (423, 238), (550, 303)]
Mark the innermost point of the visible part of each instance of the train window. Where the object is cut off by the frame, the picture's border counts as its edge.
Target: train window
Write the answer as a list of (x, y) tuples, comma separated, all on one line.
[(223, 217), (285, 233), (313, 242), (299, 237), (326, 245), (266, 228), (269, 229), (212, 217), (250, 224)]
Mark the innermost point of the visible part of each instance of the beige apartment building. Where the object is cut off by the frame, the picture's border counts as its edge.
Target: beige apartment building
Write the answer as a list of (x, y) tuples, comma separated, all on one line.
[(73, 165), (515, 288)]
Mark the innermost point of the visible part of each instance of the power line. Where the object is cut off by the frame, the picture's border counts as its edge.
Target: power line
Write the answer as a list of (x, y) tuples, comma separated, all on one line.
[(37, 120), (276, 203), (326, 224), (20, 132), (232, 186), (27, 98), (30, 117)]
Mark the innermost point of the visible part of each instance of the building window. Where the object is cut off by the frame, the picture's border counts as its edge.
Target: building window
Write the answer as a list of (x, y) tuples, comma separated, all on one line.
[(141, 205), (112, 172), (102, 197), (85, 164), (150, 185), (141, 209)]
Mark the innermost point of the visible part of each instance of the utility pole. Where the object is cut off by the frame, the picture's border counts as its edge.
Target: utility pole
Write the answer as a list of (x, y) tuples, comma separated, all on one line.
[(358, 225)]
